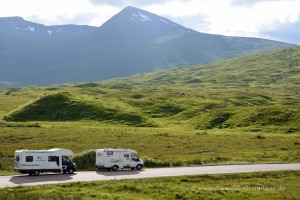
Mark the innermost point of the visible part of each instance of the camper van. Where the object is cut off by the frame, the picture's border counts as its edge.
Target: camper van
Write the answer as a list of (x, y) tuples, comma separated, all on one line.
[(114, 159), (34, 162)]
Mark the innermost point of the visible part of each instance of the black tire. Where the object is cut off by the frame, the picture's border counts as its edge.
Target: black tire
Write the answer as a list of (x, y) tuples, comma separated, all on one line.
[(115, 168), (70, 170), (36, 172), (108, 169), (139, 167), (30, 173)]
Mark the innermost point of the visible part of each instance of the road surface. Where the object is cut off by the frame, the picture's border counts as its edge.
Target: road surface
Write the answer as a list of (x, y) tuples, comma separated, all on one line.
[(25, 180)]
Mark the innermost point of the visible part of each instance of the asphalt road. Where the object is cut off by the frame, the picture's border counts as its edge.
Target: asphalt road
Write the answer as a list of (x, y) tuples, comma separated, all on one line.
[(25, 180)]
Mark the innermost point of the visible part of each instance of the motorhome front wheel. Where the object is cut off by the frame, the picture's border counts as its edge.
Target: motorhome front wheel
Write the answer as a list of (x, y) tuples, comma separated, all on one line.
[(139, 167), (70, 171)]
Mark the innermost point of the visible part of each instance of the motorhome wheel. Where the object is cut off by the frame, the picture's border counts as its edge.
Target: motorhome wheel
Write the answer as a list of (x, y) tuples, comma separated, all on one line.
[(36, 173), (71, 171), (139, 167), (115, 168)]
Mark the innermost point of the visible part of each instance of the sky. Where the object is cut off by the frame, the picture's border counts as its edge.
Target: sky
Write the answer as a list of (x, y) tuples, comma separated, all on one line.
[(270, 19)]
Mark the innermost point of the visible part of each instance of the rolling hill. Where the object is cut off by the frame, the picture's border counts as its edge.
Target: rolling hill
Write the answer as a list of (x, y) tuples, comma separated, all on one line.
[(131, 42), (240, 110), (259, 91)]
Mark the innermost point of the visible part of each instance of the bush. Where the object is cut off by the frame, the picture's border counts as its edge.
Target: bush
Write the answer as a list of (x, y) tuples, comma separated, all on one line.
[(85, 159), (150, 162), (195, 162), (260, 137)]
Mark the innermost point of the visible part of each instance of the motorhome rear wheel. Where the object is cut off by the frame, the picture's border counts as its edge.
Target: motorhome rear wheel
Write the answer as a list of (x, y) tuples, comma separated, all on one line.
[(36, 173), (115, 168)]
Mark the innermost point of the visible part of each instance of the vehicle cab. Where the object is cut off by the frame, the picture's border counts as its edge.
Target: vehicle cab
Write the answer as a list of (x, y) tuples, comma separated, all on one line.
[(68, 166)]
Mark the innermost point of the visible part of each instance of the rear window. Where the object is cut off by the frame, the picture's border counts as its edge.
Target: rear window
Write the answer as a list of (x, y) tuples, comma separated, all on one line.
[(17, 158), (29, 158), (110, 153)]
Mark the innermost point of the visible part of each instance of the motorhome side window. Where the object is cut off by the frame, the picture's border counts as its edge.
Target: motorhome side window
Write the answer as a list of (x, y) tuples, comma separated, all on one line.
[(29, 158), (17, 158), (110, 153), (126, 155), (52, 158)]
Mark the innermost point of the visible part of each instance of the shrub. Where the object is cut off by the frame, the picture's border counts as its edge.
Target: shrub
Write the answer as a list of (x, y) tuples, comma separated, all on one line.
[(150, 162), (85, 159), (87, 85), (137, 96), (260, 137)]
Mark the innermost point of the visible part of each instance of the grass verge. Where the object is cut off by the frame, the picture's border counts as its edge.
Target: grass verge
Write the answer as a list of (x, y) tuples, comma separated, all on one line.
[(262, 185)]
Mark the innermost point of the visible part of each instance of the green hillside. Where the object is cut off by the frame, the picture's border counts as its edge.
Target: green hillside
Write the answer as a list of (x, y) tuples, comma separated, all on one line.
[(242, 110), (263, 70), (259, 90), (66, 107), (256, 90)]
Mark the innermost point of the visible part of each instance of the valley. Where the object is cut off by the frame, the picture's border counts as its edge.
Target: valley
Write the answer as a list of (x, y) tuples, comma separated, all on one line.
[(207, 93), (184, 116)]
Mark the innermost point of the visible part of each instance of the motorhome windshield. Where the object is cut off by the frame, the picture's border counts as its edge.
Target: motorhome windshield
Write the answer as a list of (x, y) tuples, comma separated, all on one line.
[(66, 160), (17, 158), (134, 157)]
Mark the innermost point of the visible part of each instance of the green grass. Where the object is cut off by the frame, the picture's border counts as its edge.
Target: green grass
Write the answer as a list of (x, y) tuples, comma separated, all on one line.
[(242, 110), (65, 107), (262, 185), (172, 145), (261, 89)]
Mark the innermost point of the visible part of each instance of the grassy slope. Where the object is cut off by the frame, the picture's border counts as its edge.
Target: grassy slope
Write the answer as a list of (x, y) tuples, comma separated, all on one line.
[(66, 107), (256, 90), (166, 144), (204, 113), (263, 185)]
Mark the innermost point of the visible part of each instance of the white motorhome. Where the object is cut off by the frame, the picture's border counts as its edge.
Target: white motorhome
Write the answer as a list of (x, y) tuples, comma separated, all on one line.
[(34, 162), (114, 159)]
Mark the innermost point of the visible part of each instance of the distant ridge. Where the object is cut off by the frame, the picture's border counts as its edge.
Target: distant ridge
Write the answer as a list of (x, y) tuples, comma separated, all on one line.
[(131, 42)]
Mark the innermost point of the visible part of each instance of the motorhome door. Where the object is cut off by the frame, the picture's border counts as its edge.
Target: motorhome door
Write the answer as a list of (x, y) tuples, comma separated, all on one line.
[(126, 160)]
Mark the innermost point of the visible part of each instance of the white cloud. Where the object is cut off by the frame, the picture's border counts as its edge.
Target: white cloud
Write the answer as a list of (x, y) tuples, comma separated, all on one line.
[(231, 17), (53, 11), (227, 17)]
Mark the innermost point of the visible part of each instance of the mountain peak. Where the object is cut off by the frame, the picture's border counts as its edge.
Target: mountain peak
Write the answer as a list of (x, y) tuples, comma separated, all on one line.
[(131, 42), (130, 8), (139, 15), (135, 14), (136, 19)]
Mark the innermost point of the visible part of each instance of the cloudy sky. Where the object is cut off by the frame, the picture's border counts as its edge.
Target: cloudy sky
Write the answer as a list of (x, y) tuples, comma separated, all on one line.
[(271, 19)]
